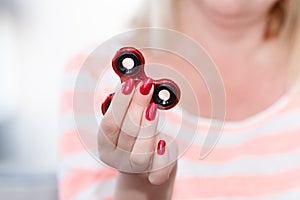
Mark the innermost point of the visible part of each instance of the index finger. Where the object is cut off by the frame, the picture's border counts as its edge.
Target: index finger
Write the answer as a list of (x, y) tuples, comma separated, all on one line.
[(112, 120)]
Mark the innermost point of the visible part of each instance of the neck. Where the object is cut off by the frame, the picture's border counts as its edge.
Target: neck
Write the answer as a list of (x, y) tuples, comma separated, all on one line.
[(235, 42)]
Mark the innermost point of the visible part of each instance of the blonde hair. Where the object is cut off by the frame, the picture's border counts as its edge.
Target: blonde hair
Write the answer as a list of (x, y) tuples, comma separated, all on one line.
[(291, 31), (283, 19)]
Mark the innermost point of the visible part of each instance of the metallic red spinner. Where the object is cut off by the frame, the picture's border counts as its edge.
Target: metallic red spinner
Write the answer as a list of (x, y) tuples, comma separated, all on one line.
[(166, 93)]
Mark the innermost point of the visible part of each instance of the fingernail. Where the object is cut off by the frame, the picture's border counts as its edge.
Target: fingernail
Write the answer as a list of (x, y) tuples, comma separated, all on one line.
[(146, 87), (128, 87), (161, 147), (105, 105), (151, 111)]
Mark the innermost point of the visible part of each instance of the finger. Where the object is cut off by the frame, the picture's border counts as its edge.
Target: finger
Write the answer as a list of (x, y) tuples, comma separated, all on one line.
[(112, 120), (164, 160), (145, 142), (131, 123)]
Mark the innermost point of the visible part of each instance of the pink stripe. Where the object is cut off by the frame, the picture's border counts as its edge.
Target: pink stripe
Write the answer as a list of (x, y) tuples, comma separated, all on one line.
[(75, 63), (86, 97), (237, 185), (173, 117), (70, 143), (66, 101), (81, 179), (83, 105), (90, 63), (107, 198), (293, 104)]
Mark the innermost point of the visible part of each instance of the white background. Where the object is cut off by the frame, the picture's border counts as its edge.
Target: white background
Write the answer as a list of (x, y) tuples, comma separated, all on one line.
[(35, 43)]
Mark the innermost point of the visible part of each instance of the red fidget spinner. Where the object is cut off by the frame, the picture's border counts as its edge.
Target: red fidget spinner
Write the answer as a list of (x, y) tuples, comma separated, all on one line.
[(137, 73)]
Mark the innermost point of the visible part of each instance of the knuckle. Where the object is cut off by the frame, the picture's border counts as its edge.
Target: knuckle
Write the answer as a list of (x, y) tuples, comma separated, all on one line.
[(108, 125), (140, 161), (140, 103), (104, 143), (130, 127), (134, 115), (125, 147), (130, 131)]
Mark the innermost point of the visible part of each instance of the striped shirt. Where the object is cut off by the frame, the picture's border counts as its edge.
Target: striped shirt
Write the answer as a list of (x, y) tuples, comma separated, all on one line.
[(257, 158)]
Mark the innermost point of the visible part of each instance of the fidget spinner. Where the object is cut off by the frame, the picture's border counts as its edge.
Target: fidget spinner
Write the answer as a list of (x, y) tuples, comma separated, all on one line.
[(169, 89)]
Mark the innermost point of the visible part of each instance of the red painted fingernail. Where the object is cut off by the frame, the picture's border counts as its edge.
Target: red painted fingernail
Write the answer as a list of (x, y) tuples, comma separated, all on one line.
[(105, 105), (128, 87), (146, 87), (151, 111), (161, 147)]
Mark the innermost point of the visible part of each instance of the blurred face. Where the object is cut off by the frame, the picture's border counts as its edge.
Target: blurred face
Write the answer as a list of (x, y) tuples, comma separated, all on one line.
[(237, 8)]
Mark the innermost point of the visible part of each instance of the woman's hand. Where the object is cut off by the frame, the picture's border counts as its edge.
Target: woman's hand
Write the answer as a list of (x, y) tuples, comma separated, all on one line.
[(128, 139)]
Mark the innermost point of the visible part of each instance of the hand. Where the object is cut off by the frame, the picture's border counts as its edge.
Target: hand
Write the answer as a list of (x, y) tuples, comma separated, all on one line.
[(128, 139)]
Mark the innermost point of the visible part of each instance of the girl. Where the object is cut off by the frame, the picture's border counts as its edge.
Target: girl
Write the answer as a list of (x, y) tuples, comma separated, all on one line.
[(254, 45)]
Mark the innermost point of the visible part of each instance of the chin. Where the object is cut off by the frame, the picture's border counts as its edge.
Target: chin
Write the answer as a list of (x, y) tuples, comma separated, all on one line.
[(235, 8), (224, 7)]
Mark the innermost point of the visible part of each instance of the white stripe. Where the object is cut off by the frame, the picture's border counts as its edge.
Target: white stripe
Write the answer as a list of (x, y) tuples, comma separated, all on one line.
[(86, 122), (187, 168), (278, 125), (68, 82), (289, 195), (108, 79), (106, 188), (274, 127), (82, 161), (66, 122), (246, 165), (282, 122), (165, 126), (98, 191)]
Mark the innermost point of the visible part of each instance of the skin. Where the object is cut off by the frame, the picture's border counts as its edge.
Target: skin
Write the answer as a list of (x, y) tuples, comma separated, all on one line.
[(233, 29), (237, 33), (127, 142)]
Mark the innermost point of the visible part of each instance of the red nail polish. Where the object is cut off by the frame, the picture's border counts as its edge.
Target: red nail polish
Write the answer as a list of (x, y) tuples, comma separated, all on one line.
[(128, 87), (105, 105), (161, 147), (146, 87), (151, 111)]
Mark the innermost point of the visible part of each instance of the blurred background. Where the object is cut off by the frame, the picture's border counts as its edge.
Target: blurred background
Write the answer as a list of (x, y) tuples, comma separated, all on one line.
[(36, 40)]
